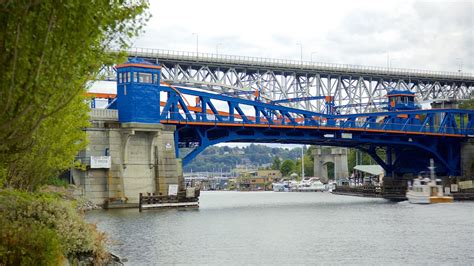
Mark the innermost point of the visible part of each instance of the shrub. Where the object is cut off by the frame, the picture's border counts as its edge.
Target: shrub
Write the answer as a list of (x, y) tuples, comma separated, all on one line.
[(27, 242), (53, 218)]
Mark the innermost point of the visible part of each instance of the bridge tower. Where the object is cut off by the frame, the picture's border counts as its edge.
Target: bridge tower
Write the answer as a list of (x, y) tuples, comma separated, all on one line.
[(138, 94)]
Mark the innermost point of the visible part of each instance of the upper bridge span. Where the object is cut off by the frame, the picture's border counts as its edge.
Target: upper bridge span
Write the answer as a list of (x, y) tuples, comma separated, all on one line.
[(355, 88)]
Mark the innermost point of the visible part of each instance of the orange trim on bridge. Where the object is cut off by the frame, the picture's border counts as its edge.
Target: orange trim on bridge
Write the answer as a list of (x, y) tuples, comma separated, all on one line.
[(393, 95), (101, 95), (309, 127), (137, 65)]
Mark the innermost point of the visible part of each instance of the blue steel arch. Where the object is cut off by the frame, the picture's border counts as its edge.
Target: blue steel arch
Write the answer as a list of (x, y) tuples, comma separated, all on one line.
[(398, 144)]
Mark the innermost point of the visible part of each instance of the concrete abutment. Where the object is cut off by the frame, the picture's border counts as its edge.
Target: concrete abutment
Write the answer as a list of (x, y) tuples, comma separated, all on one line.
[(142, 160)]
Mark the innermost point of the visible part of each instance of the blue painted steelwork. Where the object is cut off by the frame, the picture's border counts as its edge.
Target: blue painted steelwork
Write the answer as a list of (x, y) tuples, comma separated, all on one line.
[(412, 136)]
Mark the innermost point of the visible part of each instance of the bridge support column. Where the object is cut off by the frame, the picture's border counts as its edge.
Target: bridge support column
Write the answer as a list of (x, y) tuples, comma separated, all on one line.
[(323, 156), (143, 159), (467, 159)]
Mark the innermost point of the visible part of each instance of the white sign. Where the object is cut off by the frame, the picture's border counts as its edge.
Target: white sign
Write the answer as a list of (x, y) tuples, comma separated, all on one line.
[(101, 161), (168, 146), (172, 190), (346, 135), (454, 187)]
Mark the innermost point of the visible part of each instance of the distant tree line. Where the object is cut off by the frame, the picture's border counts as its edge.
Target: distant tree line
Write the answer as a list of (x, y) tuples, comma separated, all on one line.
[(225, 158)]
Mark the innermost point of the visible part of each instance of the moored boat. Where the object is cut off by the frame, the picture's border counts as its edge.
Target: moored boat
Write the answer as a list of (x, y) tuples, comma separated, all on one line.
[(427, 190)]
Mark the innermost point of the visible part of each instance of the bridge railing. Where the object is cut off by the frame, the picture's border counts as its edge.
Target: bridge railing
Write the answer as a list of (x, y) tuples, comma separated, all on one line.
[(234, 59)]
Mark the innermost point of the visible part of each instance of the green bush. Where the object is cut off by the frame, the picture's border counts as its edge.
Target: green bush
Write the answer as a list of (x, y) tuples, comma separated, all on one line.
[(55, 181), (28, 242), (53, 219)]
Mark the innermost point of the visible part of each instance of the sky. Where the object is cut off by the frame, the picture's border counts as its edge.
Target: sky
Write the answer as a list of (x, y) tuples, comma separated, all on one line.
[(432, 35), (429, 35)]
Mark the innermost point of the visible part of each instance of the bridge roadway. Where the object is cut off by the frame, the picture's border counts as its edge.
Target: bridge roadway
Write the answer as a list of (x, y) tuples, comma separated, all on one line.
[(353, 86), (256, 64)]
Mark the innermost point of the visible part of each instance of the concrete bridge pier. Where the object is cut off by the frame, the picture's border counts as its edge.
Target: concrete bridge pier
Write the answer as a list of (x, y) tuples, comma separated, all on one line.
[(467, 159), (141, 158), (325, 155)]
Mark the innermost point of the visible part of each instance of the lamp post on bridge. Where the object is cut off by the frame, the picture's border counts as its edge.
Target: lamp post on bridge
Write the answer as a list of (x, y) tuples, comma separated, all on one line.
[(217, 48), (301, 52), (197, 44), (391, 62), (460, 64)]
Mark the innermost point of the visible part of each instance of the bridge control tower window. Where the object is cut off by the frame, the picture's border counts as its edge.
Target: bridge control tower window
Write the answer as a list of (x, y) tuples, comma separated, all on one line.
[(144, 77)]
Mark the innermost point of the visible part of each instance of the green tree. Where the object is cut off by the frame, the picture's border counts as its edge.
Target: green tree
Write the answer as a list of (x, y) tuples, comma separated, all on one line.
[(308, 166), (276, 163), (49, 51), (467, 105), (55, 143), (287, 167)]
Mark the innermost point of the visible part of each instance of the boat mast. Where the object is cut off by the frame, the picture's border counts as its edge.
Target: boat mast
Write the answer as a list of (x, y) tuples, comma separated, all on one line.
[(302, 163), (432, 167)]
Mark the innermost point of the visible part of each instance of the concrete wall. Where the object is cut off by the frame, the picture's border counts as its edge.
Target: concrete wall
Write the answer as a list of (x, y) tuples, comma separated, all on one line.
[(143, 160)]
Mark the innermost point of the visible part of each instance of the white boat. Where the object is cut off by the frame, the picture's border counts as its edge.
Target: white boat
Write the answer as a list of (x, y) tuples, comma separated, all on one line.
[(330, 186), (279, 187), (312, 184), (427, 190)]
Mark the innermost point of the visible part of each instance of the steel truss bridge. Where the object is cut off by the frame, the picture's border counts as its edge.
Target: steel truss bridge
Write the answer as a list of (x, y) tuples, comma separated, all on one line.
[(409, 138), (356, 89)]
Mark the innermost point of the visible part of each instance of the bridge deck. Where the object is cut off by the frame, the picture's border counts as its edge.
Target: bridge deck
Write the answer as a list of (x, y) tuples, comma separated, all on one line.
[(300, 67)]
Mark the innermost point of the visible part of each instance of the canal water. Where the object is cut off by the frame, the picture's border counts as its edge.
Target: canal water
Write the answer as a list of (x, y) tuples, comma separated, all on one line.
[(292, 228)]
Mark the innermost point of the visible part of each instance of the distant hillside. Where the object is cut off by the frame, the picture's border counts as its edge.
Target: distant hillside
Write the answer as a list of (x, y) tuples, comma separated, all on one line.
[(215, 158)]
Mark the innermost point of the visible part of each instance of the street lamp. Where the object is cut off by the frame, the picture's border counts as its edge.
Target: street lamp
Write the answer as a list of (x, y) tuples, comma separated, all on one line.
[(197, 44), (460, 64), (391, 62), (312, 55), (301, 52)]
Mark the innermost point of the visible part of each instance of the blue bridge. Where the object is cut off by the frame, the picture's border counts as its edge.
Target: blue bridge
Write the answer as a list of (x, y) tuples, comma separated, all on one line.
[(401, 139)]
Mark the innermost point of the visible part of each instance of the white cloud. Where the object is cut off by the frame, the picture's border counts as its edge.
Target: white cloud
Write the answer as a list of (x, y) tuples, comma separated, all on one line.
[(416, 34)]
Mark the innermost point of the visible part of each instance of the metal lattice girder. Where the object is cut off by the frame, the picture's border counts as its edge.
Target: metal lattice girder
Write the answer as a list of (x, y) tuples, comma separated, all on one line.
[(243, 112), (354, 87)]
